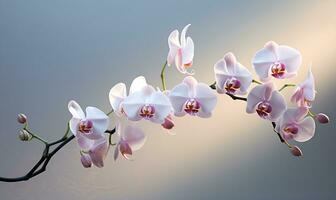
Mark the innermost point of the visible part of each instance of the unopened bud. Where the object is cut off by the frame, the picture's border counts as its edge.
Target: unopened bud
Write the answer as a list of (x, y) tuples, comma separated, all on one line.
[(25, 136), (322, 118), (22, 118), (296, 151), (168, 123), (86, 160)]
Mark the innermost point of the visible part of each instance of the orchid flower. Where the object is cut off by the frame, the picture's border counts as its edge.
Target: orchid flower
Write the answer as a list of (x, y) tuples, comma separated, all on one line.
[(304, 94), (295, 124), (231, 76), (147, 103), (266, 101), (90, 130), (193, 98), (181, 51), (276, 60), (118, 93), (130, 139)]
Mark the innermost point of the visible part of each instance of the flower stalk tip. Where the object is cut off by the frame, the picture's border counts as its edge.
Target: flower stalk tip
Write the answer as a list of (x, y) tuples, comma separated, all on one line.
[(296, 151), (22, 118)]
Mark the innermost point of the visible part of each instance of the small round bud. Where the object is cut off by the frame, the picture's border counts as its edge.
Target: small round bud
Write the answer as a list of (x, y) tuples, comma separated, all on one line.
[(86, 160), (22, 118), (168, 123), (322, 118), (24, 135), (296, 151)]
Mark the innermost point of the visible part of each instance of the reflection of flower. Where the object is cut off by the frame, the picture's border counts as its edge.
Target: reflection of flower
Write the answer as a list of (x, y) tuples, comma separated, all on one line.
[(130, 139), (276, 60), (295, 124), (191, 97), (89, 130), (304, 94), (180, 51), (231, 76), (267, 102)]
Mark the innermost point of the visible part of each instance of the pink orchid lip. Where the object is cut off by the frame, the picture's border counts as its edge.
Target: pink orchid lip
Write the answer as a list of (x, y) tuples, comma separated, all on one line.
[(232, 85), (85, 126), (147, 111), (192, 106), (278, 70), (264, 109), (291, 129)]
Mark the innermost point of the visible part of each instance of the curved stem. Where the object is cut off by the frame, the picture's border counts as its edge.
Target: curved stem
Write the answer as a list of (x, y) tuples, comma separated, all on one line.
[(109, 113), (35, 135), (163, 76), (257, 82), (46, 156), (310, 113), (286, 85)]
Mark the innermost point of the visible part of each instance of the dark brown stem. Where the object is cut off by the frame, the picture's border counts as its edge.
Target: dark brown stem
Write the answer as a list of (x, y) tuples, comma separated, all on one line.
[(41, 165)]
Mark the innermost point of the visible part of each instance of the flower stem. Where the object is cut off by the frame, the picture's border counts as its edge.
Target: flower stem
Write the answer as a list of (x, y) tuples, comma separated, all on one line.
[(36, 136), (163, 76), (286, 85), (67, 131), (108, 114), (310, 113), (257, 82), (25, 127)]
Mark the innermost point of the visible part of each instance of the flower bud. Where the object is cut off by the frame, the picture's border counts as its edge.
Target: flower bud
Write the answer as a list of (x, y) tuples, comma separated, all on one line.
[(86, 160), (296, 151), (25, 136), (22, 118), (322, 118), (168, 123)]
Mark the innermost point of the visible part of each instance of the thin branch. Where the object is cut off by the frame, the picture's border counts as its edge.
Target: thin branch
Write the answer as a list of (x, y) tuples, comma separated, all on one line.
[(162, 75), (213, 86), (42, 164)]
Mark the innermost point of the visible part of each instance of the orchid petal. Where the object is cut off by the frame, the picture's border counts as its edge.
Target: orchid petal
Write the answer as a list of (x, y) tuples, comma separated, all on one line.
[(117, 95), (98, 152), (173, 39), (183, 35), (309, 87), (178, 96), (137, 84), (76, 110), (116, 152), (306, 130), (133, 103), (84, 142), (191, 82), (263, 59), (125, 149), (207, 98), (135, 137), (278, 104), (290, 57), (73, 125), (253, 98), (188, 52), (162, 106), (99, 119), (230, 61)]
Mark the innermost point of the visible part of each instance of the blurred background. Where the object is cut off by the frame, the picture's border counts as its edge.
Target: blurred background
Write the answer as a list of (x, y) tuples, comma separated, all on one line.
[(55, 51)]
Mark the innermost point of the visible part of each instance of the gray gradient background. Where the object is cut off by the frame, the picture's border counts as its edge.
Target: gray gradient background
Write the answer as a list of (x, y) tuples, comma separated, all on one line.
[(54, 51)]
